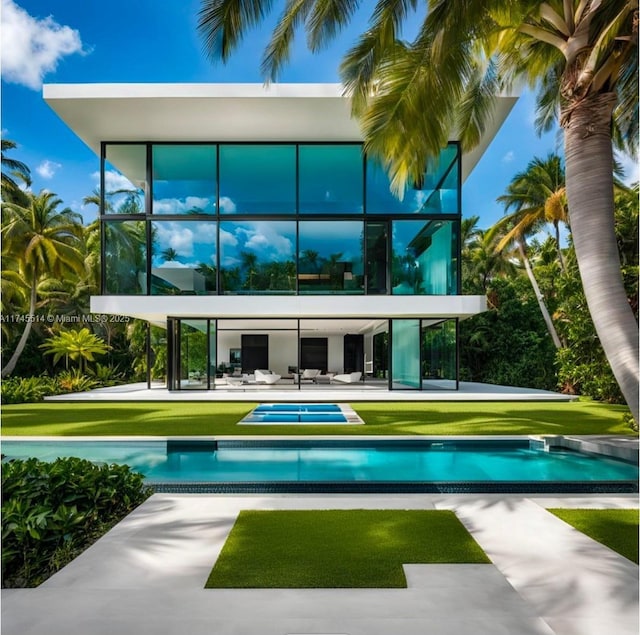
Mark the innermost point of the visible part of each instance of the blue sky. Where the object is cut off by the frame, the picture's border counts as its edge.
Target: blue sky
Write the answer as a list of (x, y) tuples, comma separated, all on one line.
[(68, 41)]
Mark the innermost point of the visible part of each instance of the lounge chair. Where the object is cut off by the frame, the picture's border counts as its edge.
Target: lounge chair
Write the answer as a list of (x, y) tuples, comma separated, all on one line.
[(347, 378), (266, 377)]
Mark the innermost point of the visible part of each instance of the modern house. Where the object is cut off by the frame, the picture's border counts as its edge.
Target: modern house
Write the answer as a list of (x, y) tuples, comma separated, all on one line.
[(245, 225)]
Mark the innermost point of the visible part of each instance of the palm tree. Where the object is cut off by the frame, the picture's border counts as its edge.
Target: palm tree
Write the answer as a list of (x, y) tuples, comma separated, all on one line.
[(537, 195), (481, 263), (79, 345), (42, 241), (169, 254), (11, 191), (411, 97)]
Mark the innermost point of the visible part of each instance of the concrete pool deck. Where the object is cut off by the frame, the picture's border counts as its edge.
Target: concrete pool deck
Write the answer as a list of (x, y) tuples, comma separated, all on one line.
[(469, 391), (146, 576)]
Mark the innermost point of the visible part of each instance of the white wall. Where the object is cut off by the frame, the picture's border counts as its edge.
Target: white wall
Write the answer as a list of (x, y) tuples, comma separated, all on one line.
[(283, 348)]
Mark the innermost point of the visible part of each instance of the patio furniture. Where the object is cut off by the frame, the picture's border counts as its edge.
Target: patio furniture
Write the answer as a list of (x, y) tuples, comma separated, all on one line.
[(347, 378), (309, 374), (323, 379), (266, 377)]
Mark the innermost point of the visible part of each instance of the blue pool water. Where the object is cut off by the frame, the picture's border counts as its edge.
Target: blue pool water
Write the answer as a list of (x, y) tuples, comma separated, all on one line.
[(324, 461), (296, 413)]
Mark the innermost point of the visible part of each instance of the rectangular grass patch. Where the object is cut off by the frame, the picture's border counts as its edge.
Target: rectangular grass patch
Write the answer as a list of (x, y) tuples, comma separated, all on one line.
[(614, 528), (338, 548)]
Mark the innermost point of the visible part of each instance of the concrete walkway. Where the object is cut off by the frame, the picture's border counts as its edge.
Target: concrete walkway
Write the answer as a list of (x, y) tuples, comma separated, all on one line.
[(146, 576)]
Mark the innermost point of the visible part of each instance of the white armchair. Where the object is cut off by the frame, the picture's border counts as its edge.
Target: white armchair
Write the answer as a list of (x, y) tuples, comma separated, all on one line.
[(266, 377), (347, 378)]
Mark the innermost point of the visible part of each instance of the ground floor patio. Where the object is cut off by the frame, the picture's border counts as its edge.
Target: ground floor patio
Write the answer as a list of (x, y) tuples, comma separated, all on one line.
[(369, 391), (147, 576)]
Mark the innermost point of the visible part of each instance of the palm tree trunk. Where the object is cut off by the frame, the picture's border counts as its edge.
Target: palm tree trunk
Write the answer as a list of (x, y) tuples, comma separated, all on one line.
[(539, 297), (589, 169), (559, 249), (11, 364)]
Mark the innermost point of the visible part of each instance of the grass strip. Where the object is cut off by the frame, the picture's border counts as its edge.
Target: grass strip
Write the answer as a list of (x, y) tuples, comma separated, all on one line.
[(614, 528), (338, 548), (381, 418)]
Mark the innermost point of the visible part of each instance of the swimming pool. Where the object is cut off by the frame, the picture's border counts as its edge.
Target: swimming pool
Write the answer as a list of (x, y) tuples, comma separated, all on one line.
[(316, 413), (348, 465)]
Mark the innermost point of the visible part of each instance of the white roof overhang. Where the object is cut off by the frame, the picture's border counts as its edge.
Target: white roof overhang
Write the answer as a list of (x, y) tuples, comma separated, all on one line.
[(220, 112)]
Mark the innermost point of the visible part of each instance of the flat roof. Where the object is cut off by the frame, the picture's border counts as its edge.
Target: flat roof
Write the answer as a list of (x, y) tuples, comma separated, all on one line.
[(220, 112)]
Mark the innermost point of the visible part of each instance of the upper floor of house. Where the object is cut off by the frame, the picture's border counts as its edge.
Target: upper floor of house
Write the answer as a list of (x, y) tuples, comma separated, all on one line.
[(242, 189)]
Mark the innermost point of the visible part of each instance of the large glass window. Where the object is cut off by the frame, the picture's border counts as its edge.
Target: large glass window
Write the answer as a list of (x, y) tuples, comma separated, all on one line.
[(423, 257), (439, 368), (125, 257), (125, 179), (183, 257), (257, 179), (330, 257), (405, 354), (184, 179), (436, 193), (258, 257), (194, 354), (330, 179), (377, 259)]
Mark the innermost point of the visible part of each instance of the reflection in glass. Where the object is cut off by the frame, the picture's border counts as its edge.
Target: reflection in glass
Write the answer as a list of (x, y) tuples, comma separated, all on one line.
[(258, 257), (257, 179), (423, 257), (125, 256), (405, 354), (439, 355), (377, 248), (330, 257), (158, 361), (437, 193), (194, 345), (184, 179), (183, 257), (330, 179), (125, 179)]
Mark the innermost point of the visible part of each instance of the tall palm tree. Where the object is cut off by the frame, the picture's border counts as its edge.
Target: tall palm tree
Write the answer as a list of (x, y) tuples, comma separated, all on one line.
[(11, 191), (481, 263), (536, 195), (43, 241), (411, 97)]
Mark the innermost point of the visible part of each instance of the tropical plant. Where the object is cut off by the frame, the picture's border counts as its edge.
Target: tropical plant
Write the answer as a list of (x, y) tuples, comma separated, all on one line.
[(39, 241), (52, 511), (80, 346), (537, 196), (411, 97), (15, 171), (27, 389)]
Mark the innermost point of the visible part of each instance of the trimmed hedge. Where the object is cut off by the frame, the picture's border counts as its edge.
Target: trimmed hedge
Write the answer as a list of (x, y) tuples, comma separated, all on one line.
[(51, 512)]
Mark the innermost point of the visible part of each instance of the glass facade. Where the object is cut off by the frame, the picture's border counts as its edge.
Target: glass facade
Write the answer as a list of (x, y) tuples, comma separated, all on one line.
[(258, 257), (184, 195), (424, 257), (281, 219), (184, 179), (125, 257), (183, 257), (124, 179), (330, 257), (257, 179), (330, 179)]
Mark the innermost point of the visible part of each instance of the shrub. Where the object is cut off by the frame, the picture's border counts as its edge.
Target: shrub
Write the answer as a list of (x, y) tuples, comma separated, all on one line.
[(53, 511), (27, 389), (75, 381)]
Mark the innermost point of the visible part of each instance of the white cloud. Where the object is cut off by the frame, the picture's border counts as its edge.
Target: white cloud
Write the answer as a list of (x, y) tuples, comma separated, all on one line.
[(631, 168), (227, 205), (31, 48), (264, 238), (113, 181), (48, 168), (179, 206), (509, 157), (178, 238), (227, 238)]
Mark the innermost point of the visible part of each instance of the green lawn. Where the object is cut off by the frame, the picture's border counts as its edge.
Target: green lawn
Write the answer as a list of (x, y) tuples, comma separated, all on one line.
[(615, 528), (381, 418), (338, 548)]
